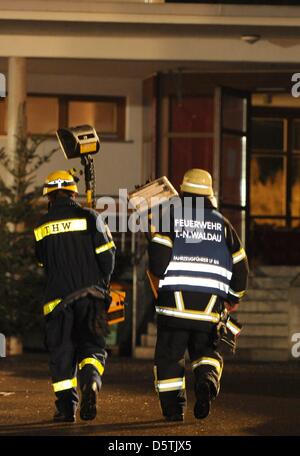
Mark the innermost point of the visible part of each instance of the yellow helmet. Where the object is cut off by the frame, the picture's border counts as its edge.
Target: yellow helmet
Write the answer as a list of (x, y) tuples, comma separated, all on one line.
[(59, 180), (197, 181)]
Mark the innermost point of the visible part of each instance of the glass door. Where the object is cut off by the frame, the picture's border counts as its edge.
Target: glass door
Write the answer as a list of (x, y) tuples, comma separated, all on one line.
[(233, 172)]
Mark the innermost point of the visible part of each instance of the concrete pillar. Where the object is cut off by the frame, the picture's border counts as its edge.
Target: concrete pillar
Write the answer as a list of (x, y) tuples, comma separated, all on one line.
[(17, 90)]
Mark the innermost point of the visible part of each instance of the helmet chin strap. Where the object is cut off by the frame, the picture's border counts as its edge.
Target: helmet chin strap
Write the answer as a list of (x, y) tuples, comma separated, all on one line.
[(213, 201)]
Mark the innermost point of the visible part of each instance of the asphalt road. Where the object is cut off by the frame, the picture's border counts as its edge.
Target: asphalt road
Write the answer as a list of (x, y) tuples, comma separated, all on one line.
[(255, 399)]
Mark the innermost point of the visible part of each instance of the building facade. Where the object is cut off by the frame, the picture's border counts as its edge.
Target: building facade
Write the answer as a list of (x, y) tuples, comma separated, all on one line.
[(169, 86)]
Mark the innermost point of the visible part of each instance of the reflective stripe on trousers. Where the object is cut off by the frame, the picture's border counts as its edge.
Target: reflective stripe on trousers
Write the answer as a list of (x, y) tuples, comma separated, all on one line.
[(205, 360), (92, 361), (65, 385), (171, 384)]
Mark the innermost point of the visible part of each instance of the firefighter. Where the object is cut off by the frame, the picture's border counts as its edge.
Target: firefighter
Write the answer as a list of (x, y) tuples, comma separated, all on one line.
[(198, 281), (76, 250)]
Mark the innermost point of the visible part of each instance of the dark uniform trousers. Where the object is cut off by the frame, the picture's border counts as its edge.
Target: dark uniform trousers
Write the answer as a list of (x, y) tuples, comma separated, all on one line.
[(207, 365), (76, 348)]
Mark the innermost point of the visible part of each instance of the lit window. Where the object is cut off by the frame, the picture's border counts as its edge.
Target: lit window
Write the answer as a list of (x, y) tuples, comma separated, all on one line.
[(45, 114), (42, 115), (106, 116)]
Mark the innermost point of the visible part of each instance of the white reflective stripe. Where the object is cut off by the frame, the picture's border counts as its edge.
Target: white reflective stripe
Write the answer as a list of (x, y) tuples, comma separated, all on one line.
[(237, 294), (170, 385), (196, 267), (208, 361), (162, 240), (234, 329), (179, 300), (190, 315), (65, 384), (211, 304), (238, 256), (189, 184), (194, 282), (59, 182)]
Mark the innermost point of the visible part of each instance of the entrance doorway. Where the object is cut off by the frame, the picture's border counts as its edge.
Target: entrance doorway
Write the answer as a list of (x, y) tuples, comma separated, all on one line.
[(252, 152)]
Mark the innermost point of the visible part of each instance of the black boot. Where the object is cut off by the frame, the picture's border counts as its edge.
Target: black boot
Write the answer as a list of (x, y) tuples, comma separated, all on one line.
[(60, 417), (202, 406), (88, 406), (176, 417), (66, 406)]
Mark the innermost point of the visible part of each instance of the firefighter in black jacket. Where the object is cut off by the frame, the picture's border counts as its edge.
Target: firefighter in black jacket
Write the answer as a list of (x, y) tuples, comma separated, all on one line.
[(202, 268), (77, 252)]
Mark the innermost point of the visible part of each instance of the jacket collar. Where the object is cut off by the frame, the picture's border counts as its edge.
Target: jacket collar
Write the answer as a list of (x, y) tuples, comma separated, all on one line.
[(207, 201), (64, 202)]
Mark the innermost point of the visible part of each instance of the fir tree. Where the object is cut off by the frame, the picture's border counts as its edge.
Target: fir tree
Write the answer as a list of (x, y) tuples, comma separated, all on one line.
[(21, 279)]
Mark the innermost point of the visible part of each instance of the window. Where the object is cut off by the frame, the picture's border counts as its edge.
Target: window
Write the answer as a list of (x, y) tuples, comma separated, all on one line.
[(268, 135), (275, 186), (275, 170), (42, 115), (107, 115), (268, 168), (45, 114), (295, 171)]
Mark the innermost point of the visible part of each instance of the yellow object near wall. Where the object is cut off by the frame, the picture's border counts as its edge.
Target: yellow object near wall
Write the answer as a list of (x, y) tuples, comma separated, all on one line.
[(116, 311)]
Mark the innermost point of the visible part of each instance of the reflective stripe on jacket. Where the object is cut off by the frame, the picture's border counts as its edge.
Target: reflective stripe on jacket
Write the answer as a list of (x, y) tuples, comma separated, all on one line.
[(200, 260)]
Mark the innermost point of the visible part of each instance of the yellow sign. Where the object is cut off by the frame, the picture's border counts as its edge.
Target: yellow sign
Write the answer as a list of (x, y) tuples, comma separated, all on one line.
[(59, 226), (88, 147)]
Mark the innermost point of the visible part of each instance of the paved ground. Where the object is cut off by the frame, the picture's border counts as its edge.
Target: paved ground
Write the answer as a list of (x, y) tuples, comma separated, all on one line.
[(255, 399)]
